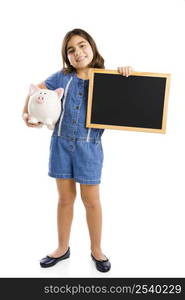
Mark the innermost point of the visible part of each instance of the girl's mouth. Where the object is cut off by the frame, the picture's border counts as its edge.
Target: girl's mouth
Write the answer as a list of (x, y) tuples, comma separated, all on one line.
[(81, 58)]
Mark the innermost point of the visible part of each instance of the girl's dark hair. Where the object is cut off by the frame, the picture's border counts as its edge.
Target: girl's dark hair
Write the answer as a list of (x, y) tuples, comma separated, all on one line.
[(97, 62)]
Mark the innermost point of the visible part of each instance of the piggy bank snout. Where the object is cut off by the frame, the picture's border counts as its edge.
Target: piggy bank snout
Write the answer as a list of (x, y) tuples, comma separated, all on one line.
[(40, 99)]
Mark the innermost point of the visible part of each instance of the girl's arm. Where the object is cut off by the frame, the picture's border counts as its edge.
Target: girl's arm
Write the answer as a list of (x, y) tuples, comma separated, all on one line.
[(25, 115), (125, 71)]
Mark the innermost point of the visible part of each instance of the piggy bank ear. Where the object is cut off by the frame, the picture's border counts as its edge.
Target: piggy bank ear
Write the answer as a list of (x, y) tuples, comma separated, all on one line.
[(33, 89), (59, 92)]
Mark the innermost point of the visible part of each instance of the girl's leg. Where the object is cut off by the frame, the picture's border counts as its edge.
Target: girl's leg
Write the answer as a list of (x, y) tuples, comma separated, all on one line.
[(67, 194), (91, 200)]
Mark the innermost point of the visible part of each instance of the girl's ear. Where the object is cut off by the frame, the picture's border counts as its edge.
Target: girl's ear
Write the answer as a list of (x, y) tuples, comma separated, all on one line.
[(33, 89), (60, 92)]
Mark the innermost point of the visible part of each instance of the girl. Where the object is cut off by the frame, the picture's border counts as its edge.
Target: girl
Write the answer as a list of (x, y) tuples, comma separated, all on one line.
[(76, 153)]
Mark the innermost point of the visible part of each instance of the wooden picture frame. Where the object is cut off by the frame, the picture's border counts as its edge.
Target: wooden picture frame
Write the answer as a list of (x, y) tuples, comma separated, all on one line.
[(138, 102)]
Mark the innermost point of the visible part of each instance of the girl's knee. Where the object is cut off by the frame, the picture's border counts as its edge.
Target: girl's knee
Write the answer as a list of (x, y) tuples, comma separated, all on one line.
[(90, 202), (66, 201)]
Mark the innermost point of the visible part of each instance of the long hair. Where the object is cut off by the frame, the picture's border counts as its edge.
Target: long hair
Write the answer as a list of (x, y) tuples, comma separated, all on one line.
[(97, 61)]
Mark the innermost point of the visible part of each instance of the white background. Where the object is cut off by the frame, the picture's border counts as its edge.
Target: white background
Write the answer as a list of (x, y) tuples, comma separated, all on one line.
[(142, 188)]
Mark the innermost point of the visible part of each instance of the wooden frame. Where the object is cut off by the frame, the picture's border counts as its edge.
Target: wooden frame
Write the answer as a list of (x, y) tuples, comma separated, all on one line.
[(89, 124)]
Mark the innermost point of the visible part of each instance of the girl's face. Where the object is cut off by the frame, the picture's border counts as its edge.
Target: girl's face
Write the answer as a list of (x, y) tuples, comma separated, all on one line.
[(79, 52)]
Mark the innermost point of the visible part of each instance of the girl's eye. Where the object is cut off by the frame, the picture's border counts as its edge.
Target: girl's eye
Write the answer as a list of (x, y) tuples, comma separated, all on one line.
[(44, 93), (40, 92)]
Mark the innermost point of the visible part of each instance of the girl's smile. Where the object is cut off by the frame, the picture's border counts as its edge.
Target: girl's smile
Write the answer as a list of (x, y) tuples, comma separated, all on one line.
[(81, 58)]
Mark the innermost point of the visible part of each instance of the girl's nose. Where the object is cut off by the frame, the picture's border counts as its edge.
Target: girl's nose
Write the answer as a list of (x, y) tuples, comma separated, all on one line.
[(77, 52)]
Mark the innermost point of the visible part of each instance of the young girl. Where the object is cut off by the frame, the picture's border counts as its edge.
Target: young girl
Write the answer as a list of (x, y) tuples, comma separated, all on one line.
[(76, 153)]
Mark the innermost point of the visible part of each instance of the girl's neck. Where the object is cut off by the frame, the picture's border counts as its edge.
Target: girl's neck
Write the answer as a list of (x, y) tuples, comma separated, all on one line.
[(83, 73)]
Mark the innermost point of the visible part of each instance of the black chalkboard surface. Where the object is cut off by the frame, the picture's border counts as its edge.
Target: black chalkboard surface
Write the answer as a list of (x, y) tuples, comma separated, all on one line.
[(137, 102)]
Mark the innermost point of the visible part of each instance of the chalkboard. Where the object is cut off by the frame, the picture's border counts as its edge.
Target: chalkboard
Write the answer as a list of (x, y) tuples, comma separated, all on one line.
[(137, 102)]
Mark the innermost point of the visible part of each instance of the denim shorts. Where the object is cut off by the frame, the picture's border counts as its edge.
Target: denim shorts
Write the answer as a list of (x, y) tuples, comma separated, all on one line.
[(76, 158)]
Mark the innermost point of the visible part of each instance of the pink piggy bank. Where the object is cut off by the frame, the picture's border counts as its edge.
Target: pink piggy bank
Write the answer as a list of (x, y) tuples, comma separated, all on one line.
[(44, 105)]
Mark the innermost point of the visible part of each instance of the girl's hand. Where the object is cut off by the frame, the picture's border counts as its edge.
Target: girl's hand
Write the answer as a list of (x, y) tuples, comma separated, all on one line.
[(26, 118), (125, 71)]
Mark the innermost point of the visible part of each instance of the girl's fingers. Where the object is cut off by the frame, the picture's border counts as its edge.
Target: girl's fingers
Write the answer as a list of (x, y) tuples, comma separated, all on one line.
[(125, 71), (26, 118), (121, 70), (128, 70), (37, 125)]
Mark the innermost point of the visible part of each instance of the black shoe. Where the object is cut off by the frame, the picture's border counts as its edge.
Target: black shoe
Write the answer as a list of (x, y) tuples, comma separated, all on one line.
[(102, 265), (51, 261)]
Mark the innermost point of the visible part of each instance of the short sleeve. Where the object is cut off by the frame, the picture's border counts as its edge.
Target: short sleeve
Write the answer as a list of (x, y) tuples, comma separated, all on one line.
[(54, 81)]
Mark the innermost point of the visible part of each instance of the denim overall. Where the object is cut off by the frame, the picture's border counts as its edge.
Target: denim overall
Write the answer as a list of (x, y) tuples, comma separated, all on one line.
[(75, 151)]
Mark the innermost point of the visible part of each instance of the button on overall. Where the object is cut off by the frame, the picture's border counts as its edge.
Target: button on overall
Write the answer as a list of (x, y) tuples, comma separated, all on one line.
[(71, 147)]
